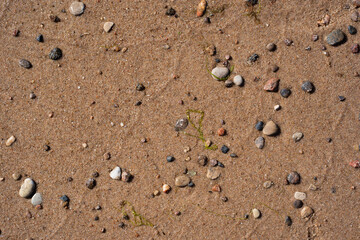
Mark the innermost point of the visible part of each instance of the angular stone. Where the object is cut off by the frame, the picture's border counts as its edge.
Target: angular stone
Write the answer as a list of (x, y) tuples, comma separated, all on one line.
[(108, 26), (270, 128), (182, 181), (220, 73), (125, 176), (181, 124), (116, 173), (272, 85)]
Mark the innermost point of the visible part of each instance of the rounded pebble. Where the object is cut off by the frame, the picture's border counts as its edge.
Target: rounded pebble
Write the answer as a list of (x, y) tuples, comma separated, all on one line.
[(182, 181), (267, 184), (77, 8), (259, 126), (270, 129), (271, 47), (90, 183), (55, 54), (293, 178), (213, 173), (220, 73), (116, 173), (352, 30), (202, 160), (260, 142), (256, 213), (181, 124), (355, 16), (298, 204), (238, 80), (285, 92), (229, 83), (25, 63), (306, 212), (221, 131), (27, 189), (297, 136), (308, 87), (36, 199), (335, 38), (170, 158), (16, 176), (300, 196)]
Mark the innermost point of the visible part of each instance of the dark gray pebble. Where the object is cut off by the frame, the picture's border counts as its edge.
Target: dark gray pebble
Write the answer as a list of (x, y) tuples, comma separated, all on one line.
[(25, 63), (259, 125), (229, 83), (170, 12), (207, 20), (138, 103), (55, 54), (342, 98), (220, 164), (308, 87), (65, 198), (288, 42), (298, 204), (170, 158), (191, 184), (288, 221), (285, 92), (140, 87), (352, 30), (225, 149), (293, 178), (335, 38), (40, 38), (253, 58), (233, 155)]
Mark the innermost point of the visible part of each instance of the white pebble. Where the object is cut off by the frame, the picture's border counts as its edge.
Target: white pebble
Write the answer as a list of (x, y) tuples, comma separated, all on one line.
[(77, 8), (27, 189), (277, 107), (36, 199), (116, 173), (256, 213), (238, 80), (108, 26), (300, 196), (10, 141)]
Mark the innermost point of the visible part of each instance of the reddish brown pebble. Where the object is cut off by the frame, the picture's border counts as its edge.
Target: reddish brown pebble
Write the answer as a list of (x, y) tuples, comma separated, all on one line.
[(201, 8), (272, 85), (16, 33), (38, 207), (355, 48), (221, 131), (355, 164), (216, 188)]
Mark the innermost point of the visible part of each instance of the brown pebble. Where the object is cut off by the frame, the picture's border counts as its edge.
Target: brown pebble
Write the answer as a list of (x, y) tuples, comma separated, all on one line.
[(306, 212), (221, 131), (293, 178), (202, 160), (107, 156), (355, 16), (201, 8), (356, 3), (274, 68), (272, 85), (216, 188), (355, 48)]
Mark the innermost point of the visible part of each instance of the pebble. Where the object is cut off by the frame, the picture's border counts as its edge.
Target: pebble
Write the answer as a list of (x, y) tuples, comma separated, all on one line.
[(107, 156), (181, 124), (125, 176), (108, 26), (220, 73), (213, 162), (256, 213), (220, 164), (355, 48), (202, 160), (25, 63), (288, 42), (268, 184), (16, 176), (336, 37), (312, 187), (260, 142), (182, 181), (140, 87), (285, 92), (225, 149), (170, 12), (166, 188), (288, 221), (298, 203), (10, 141), (233, 155), (77, 8), (229, 83), (271, 47), (274, 68), (65, 198), (55, 54), (253, 58), (293, 178), (308, 87), (356, 3), (40, 38), (90, 183), (116, 173), (238, 80), (259, 126), (32, 95), (27, 189), (170, 158), (300, 196), (270, 128), (277, 107), (36, 199), (221, 131), (306, 212), (355, 164), (297, 136), (213, 173), (272, 85), (355, 16), (207, 20), (201, 8), (352, 30), (315, 37), (216, 188)]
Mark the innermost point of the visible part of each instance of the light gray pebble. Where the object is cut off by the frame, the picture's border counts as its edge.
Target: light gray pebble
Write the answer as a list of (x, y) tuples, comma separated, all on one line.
[(220, 73), (297, 136), (238, 80), (260, 142), (77, 8), (36, 199), (27, 189)]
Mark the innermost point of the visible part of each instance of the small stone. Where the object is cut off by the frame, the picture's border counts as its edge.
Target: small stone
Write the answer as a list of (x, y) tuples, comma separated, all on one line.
[(285, 92), (288, 42), (220, 164), (191, 184), (300, 195), (306, 212), (125, 176), (16, 176), (315, 37), (77, 8), (253, 58), (268, 184), (308, 87), (288, 221), (27, 189), (207, 20), (10, 141), (170, 12), (272, 85), (225, 149), (293, 178), (202, 160), (108, 26), (36, 199), (271, 47), (260, 142), (55, 54), (64, 198), (256, 213), (156, 193), (116, 173), (90, 183), (221, 131), (355, 164), (229, 83), (233, 155), (170, 158), (40, 38), (220, 73), (182, 181), (95, 174), (54, 18), (355, 16), (274, 68), (166, 188), (297, 203), (213, 173), (238, 80), (312, 187), (356, 3), (335, 38), (352, 30), (270, 128), (32, 95), (277, 107), (224, 199), (355, 48), (140, 87), (181, 124), (259, 126), (208, 143), (213, 162), (297, 136), (107, 156), (25, 63), (216, 188)]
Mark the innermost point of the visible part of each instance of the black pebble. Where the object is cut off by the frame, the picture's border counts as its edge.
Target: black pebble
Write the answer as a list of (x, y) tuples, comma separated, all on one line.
[(342, 98), (298, 204), (259, 125), (170, 12), (285, 92), (352, 30), (333, 190), (170, 158), (40, 38), (140, 87), (138, 103), (46, 148), (217, 60), (253, 58), (220, 164), (55, 54), (96, 218), (225, 149), (308, 87), (246, 216), (288, 221), (121, 225)]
